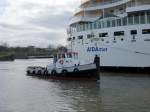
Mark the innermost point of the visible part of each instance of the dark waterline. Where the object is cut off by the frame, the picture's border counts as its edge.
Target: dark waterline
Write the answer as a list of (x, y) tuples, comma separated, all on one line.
[(117, 92)]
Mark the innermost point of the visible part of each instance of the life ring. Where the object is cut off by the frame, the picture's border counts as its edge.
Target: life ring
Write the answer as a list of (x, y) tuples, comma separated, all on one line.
[(61, 61)]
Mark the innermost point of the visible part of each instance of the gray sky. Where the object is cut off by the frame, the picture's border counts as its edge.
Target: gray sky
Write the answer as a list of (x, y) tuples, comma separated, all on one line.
[(35, 22)]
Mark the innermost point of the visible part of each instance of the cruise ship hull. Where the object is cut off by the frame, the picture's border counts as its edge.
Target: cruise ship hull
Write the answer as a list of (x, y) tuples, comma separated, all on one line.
[(123, 52), (118, 31)]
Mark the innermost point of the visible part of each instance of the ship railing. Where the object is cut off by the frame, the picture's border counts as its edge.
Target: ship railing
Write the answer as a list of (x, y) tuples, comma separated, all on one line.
[(134, 4), (92, 4), (141, 18)]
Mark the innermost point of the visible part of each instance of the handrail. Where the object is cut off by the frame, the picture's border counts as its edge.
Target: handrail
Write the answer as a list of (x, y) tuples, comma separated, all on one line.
[(103, 3), (137, 4)]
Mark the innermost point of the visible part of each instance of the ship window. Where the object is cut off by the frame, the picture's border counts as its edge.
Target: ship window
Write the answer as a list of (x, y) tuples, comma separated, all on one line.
[(146, 31), (133, 32), (113, 23), (99, 24), (90, 25), (136, 19), (77, 28), (130, 20), (148, 17), (108, 23), (103, 34), (124, 21), (69, 39), (112, 11), (95, 25), (83, 27), (118, 22), (121, 9), (119, 33), (102, 24), (80, 37), (73, 38), (105, 24), (90, 35), (142, 18)]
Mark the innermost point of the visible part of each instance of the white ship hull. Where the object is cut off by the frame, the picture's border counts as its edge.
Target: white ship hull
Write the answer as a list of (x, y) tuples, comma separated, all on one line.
[(122, 53), (116, 30)]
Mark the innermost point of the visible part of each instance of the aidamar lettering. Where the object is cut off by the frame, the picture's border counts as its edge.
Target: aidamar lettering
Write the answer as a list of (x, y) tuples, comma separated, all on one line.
[(96, 49)]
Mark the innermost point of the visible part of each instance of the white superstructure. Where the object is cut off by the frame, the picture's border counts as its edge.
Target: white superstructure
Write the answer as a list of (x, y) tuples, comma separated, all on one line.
[(117, 30)]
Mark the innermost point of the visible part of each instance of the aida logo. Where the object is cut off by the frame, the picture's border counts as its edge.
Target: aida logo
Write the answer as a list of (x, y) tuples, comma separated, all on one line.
[(96, 49)]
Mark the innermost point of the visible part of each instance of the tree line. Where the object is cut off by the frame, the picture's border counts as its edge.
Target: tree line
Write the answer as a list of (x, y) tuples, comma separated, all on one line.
[(24, 52)]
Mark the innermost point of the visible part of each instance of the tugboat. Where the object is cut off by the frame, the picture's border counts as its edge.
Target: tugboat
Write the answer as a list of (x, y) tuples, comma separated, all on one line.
[(66, 66)]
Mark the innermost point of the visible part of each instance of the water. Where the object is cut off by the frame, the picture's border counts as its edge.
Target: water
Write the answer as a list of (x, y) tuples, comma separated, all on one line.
[(115, 93)]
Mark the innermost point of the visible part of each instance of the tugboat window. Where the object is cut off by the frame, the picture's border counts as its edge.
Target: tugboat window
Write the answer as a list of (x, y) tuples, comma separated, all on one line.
[(133, 32), (63, 55), (119, 33), (69, 55), (146, 31)]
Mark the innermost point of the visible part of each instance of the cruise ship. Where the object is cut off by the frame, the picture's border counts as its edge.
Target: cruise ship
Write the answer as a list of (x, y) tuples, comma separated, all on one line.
[(116, 30)]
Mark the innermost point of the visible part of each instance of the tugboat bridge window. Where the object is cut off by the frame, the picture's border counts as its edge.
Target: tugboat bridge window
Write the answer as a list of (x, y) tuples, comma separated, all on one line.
[(63, 55), (146, 31), (133, 32), (103, 34), (119, 33), (69, 55)]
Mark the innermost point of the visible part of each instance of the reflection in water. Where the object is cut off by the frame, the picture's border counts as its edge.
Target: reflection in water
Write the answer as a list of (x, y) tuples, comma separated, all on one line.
[(115, 93), (83, 96)]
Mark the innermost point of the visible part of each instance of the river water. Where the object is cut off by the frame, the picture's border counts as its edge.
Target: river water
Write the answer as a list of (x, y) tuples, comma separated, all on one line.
[(116, 92)]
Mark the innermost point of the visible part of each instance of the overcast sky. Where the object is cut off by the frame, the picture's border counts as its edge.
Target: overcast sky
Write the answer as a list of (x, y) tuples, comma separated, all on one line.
[(35, 22)]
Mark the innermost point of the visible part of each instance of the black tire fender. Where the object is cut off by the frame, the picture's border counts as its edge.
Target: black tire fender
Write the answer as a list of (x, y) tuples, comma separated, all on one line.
[(28, 72), (76, 70), (39, 72), (46, 72), (64, 72), (33, 72), (53, 72)]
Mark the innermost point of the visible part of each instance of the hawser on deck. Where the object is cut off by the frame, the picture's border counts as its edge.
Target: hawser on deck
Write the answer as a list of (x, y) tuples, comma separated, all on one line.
[(116, 30)]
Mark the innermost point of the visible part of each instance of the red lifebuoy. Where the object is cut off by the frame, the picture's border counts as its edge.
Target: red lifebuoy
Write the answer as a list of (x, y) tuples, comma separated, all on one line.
[(61, 61)]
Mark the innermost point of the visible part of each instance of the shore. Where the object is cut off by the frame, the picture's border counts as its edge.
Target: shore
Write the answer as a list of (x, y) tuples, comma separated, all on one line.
[(7, 57)]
